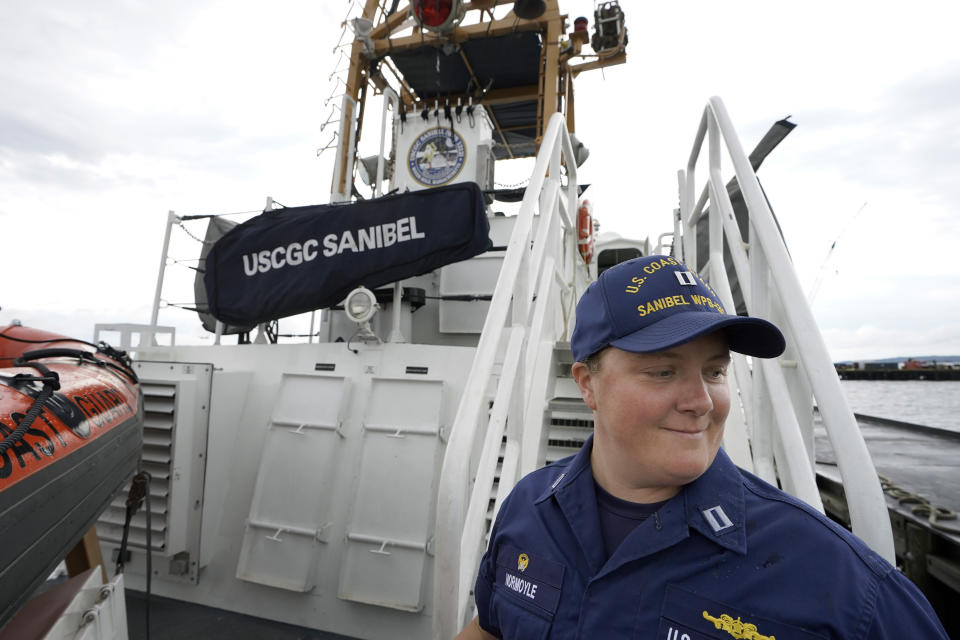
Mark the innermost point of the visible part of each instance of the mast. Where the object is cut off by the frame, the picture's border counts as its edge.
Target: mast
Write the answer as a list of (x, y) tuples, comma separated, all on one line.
[(521, 70)]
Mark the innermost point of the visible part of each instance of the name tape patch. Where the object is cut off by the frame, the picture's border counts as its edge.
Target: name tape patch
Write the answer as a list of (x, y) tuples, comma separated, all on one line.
[(530, 578)]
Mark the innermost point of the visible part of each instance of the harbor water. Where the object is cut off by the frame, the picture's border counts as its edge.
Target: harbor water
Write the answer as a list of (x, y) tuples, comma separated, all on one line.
[(932, 403)]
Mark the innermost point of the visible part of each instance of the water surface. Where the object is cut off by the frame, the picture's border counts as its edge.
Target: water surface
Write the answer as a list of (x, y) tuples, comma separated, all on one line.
[(934, 403)]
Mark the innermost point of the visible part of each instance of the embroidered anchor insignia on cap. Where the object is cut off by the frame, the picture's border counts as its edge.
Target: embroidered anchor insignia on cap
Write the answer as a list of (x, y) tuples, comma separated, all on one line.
[(717, 518), (737, 628), (522, 562)]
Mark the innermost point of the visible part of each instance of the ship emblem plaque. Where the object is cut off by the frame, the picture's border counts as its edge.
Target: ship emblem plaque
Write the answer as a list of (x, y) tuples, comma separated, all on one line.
[(436, 157)]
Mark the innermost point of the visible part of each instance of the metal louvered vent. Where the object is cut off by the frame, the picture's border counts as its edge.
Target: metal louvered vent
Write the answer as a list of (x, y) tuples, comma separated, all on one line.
[(176, 416), (159, 418)]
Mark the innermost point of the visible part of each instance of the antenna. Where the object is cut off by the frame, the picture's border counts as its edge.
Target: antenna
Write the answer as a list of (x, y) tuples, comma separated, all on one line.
[(823, 266)]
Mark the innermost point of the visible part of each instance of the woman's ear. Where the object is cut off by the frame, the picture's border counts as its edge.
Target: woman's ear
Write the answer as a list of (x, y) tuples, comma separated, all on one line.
[(585, 379)]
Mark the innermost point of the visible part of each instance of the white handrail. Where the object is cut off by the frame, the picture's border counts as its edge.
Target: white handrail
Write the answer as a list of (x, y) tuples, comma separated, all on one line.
[(486, 468), (768, 281), (553, 256), (349, 132), (172, 219)]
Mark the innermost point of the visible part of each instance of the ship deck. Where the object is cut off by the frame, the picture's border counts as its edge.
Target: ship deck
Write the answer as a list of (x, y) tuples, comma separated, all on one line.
[(919, 464), (174, 619), (924, 461)]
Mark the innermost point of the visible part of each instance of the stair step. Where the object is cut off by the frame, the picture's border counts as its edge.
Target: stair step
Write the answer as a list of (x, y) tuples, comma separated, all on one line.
[(563, 359), (566, 406), (577, 431), (566, 388), (554, 454)]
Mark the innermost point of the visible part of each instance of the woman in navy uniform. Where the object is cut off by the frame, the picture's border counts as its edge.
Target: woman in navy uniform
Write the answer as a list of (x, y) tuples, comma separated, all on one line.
[(650, 531)]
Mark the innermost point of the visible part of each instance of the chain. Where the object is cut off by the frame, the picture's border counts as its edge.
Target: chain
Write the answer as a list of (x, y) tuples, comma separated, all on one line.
[(512, 186), (187, 231)]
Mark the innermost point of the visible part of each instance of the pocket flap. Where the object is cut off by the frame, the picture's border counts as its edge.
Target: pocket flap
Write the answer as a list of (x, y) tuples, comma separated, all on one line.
[(687, 615), (530, 578)]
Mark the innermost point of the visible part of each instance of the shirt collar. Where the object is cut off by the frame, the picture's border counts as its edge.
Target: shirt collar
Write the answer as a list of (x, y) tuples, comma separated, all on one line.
[(713, 503), (565, 476)]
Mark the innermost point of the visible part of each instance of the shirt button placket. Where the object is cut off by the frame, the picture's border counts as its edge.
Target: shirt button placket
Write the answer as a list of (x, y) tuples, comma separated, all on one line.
[(584, 634)]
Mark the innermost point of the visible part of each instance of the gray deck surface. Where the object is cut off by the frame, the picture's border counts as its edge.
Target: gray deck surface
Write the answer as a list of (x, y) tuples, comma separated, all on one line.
[(922, 460), (176, 620)]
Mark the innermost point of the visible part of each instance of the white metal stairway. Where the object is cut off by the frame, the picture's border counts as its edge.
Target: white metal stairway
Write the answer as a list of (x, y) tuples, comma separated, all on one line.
[(537, 415), (569, 421)]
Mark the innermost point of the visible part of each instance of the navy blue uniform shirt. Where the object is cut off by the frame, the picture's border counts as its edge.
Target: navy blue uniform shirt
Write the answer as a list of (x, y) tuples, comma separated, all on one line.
[(730, 556)]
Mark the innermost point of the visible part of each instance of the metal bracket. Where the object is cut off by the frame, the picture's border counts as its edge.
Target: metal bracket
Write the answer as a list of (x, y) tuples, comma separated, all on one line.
[(382, 548), (276, 536)]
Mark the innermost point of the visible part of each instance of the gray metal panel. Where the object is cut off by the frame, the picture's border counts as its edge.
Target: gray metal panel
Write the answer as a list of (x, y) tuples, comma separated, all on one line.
[(291, 505), (390, 529)]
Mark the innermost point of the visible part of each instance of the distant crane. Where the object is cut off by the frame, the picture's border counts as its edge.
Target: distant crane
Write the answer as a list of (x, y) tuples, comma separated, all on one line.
[(823, 266)]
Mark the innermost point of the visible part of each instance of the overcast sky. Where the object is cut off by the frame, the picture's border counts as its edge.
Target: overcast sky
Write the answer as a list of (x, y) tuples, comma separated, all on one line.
[(114, 112)]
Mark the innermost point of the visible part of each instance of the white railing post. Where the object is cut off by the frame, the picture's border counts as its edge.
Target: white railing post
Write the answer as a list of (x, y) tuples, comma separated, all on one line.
[(537, 374), (868, 507), (770, 265), (473, 530), (690, 239), (523, 270), (763, 427), (349, 131), (452, 492), (155, 313)]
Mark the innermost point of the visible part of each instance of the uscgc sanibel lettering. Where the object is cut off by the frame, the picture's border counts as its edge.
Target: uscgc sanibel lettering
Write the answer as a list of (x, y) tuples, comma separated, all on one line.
[(521, 586), (354, 241)]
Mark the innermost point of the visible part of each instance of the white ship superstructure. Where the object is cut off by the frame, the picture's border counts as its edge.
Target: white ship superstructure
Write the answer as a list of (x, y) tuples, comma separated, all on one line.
[(346, 482)]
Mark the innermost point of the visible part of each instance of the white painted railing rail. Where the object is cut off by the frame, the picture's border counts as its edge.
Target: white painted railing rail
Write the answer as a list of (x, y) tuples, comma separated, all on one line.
[(538, 277), (777, 397)]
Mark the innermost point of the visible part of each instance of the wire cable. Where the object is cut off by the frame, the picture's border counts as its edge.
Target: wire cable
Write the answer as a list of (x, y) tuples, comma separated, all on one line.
[(138, 494), (51, 382)]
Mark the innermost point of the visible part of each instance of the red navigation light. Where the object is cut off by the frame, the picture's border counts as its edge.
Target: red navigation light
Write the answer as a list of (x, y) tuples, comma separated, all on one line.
[(433, 14)]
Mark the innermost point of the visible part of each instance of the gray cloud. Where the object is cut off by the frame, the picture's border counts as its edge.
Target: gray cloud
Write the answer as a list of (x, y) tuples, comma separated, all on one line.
[(909, 137), (18, 133), (94, 81), (70, 72)]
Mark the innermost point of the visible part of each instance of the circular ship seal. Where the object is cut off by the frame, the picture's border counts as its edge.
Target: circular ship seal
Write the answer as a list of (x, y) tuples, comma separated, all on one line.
[(436, 157)]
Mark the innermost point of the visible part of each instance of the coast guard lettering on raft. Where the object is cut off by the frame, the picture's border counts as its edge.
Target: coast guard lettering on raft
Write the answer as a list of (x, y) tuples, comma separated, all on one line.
[(37, 447)]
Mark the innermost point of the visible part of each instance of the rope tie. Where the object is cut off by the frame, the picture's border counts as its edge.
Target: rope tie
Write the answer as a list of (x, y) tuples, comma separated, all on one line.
[(924, 508)]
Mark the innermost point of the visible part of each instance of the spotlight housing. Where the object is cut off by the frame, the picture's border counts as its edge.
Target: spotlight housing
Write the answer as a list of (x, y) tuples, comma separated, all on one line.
[(361, 305)]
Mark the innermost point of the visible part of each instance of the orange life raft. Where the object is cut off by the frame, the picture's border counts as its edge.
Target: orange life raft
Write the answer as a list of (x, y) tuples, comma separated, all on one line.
[(71, 432)]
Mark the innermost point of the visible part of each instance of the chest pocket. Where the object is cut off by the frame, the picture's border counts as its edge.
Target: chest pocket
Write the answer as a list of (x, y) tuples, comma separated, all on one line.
[(687, 616), (526, 594)]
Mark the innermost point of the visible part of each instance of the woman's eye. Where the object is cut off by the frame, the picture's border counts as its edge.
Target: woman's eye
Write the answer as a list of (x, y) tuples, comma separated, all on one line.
[(717, 373)]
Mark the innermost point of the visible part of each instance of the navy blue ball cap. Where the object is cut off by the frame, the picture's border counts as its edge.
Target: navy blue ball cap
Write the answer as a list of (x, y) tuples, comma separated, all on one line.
[(654, 303)]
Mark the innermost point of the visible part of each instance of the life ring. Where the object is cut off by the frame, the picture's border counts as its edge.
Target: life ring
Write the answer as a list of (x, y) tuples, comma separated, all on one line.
[(585, 231)]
